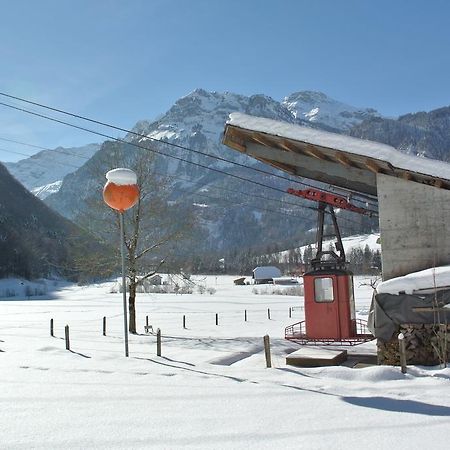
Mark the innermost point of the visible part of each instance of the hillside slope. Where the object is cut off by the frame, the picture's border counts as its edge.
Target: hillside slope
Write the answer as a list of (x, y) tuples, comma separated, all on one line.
[(35, 241)]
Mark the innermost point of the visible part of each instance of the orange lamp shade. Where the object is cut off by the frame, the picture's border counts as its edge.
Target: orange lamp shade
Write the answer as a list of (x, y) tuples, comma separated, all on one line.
[(120, 196)]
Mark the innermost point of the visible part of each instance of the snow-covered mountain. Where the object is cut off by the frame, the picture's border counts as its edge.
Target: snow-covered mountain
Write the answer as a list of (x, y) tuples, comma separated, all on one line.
[(43, 172), (227, 217), (318, 108), (197, 121)]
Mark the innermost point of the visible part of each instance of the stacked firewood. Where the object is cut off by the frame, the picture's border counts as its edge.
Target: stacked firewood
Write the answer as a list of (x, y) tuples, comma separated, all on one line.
[(426, 344)]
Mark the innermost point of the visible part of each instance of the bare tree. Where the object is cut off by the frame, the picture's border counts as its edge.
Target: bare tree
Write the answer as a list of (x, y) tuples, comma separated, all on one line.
[(153, 226)]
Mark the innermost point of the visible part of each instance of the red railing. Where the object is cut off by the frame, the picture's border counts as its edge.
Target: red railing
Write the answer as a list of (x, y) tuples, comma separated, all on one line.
[(297, 332)]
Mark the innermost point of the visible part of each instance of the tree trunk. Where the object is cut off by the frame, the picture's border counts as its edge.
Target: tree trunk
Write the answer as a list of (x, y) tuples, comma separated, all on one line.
[(132, 307)]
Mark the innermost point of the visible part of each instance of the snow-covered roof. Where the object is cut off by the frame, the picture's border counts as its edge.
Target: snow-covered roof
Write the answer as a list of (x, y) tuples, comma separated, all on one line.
[(417, 282), (356, 155), (265, 272)]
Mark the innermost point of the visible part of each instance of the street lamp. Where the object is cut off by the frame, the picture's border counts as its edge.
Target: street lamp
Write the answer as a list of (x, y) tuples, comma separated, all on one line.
[(121, 192)]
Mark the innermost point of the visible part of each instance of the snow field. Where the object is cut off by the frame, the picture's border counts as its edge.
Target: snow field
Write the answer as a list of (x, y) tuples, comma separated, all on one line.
[(210, 389)]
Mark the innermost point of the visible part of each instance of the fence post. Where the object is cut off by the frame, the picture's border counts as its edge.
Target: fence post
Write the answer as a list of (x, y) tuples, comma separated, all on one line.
[(104, 326), (51, 328), (268, 313), (217, 319), (401, 346), (267, 351), (66, 332), (158, 342), (245, 315), (290, 312), (184, 321), (146, 322)]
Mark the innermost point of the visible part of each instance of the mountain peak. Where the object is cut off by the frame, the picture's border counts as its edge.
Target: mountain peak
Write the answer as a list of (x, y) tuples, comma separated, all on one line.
[(317, 107)]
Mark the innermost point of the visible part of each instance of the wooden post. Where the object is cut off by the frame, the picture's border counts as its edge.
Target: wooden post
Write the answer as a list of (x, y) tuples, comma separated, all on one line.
[(158, 342), (402, 350), (217, 319), (267, 351), (290, 312), (268, 313), (184, 321), (51, 328), (245, 315), (66, 331), (104, 326)]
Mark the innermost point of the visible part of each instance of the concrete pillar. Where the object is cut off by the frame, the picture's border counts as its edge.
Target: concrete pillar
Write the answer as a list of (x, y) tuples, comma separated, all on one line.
[(414, 226)]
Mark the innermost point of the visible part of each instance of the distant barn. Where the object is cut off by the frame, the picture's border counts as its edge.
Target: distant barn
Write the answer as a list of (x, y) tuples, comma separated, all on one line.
[(265, 274)]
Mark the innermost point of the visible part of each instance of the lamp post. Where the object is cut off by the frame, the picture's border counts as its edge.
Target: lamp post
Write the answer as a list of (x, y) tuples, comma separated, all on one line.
[(121, 193)]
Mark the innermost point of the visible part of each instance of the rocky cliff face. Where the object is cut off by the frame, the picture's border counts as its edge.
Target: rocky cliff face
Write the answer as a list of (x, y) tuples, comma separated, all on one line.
[(422, 134)]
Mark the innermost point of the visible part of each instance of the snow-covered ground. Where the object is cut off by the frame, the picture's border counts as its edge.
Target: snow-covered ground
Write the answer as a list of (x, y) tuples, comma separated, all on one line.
[(210, 389)]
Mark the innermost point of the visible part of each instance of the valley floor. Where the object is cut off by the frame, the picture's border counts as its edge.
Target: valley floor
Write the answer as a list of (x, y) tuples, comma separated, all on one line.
[(210, 389)]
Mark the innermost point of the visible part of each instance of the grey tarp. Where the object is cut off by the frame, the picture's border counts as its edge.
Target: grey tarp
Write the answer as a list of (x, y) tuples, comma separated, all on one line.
[(388, 311)]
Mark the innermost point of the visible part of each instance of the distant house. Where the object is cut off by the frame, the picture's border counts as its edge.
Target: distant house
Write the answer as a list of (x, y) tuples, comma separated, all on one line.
[(155, 280), (265, 274)]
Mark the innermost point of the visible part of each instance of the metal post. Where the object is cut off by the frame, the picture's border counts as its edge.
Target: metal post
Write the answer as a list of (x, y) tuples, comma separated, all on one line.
[(290, 312), (104, 326), (217, 319), (51, 328), (124, 284), (245, 315)]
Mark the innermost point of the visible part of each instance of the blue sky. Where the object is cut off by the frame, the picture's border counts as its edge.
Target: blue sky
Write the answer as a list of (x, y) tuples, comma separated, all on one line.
[(122, 61)]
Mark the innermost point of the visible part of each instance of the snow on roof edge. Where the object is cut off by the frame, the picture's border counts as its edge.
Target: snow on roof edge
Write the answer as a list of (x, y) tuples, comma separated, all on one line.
[(349, 144)]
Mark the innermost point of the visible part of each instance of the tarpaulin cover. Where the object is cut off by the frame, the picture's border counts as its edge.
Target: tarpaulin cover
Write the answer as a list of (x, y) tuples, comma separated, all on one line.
[(388, 311)]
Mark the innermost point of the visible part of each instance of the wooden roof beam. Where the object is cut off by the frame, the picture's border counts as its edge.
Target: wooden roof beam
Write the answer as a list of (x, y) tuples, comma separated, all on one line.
[(314, 152), (344, 160), (263, 140), (372, 166)]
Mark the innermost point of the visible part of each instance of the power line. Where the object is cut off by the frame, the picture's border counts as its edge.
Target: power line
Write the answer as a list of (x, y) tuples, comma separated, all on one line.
[(219, 158), (253, 195), (53, 119), (98, 133)]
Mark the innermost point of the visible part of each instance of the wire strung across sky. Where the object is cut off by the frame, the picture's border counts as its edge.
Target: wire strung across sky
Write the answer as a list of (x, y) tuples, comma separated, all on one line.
[(134, 144), (369, 199)]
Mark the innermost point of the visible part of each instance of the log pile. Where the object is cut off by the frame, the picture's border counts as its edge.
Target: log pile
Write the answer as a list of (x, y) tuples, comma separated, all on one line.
[(426, 344)]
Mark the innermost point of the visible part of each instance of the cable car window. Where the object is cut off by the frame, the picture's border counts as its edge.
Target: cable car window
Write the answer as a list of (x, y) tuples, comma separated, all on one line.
[(323, 290)]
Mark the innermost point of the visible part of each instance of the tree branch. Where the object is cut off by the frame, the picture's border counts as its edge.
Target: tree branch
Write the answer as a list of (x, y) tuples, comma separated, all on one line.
[(150, 274)]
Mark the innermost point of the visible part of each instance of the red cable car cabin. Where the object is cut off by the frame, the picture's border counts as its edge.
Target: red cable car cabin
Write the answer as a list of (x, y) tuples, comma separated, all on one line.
[(328, 287), (329, 304)]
